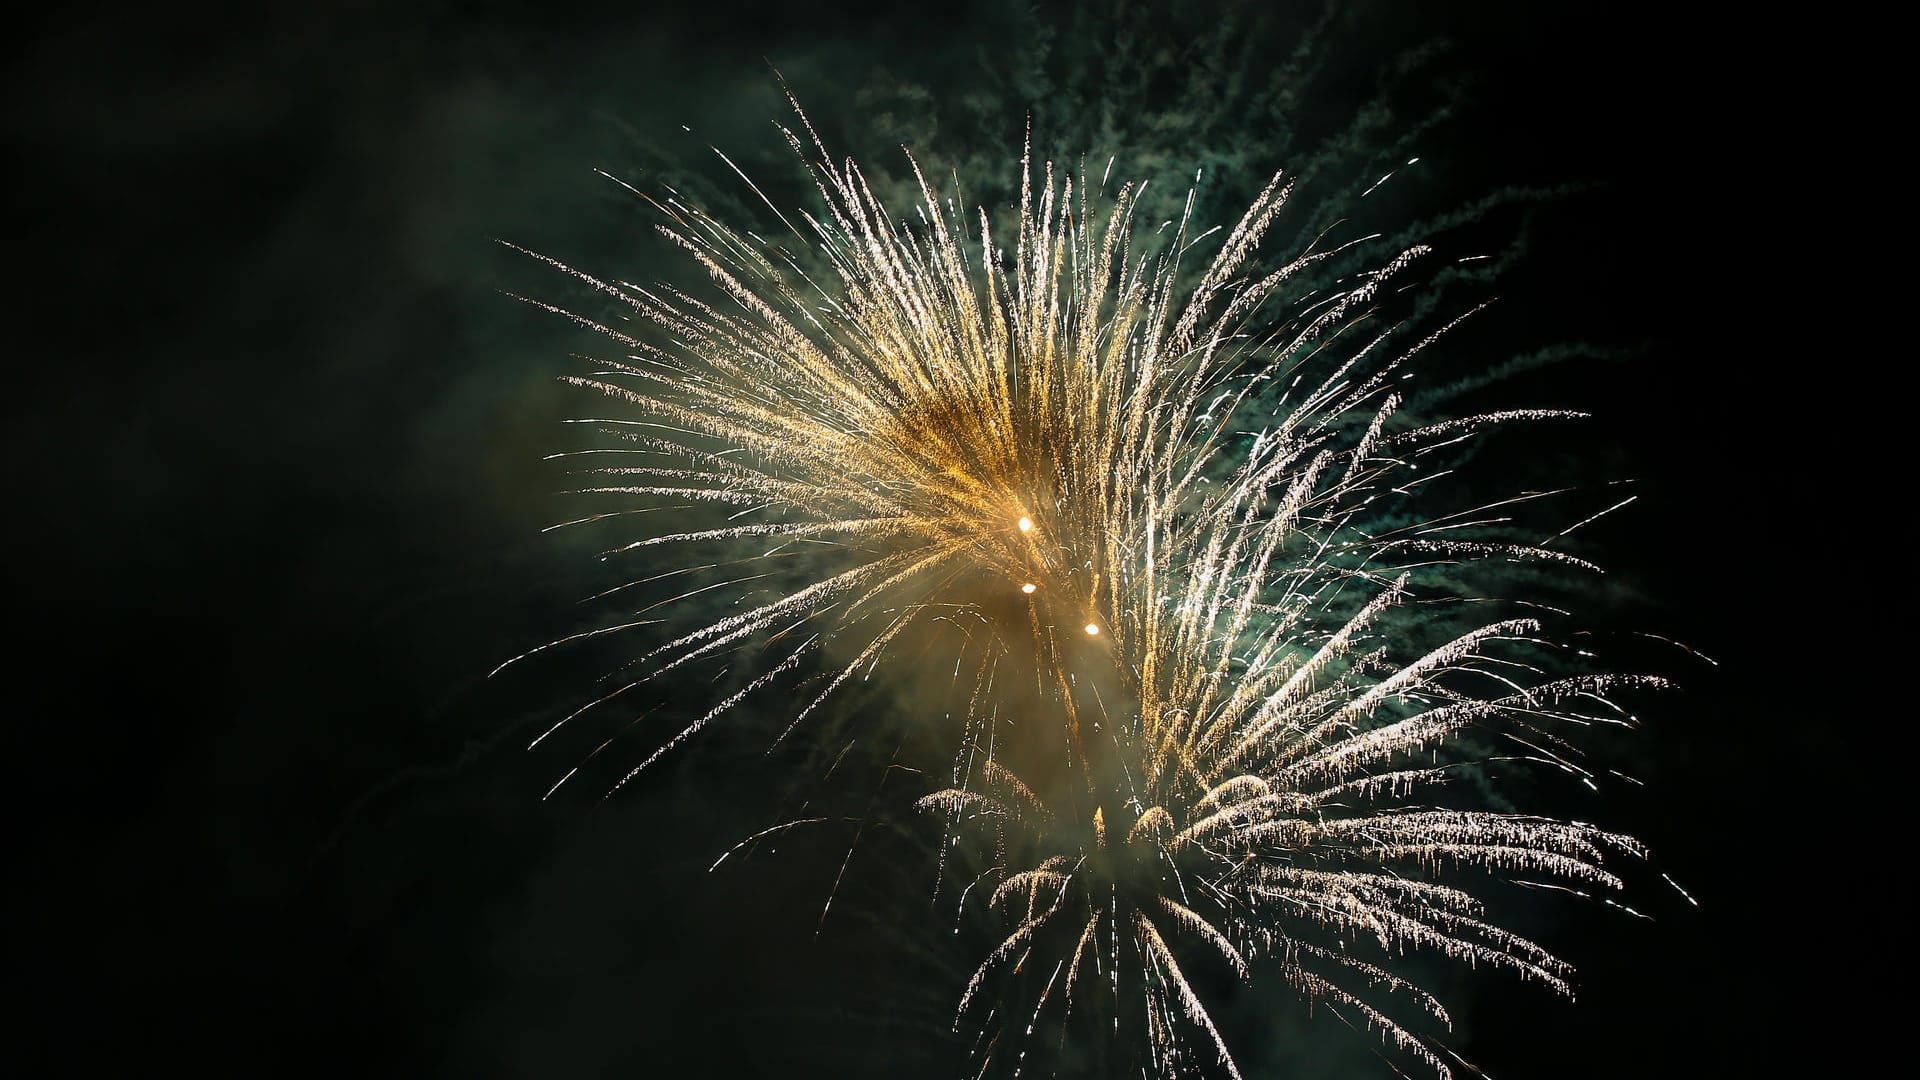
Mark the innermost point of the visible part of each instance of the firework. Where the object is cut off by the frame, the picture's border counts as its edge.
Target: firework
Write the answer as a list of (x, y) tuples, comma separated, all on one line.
[(1157, 512)]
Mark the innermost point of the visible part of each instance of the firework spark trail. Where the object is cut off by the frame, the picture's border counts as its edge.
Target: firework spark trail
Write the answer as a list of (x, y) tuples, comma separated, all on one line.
[(1161, 498)]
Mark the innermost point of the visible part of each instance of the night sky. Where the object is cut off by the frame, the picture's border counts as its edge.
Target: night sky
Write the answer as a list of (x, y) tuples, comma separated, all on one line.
[(275, 446)]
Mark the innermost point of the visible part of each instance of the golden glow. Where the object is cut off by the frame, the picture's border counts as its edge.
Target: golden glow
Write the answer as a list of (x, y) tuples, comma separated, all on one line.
[(1028, 587), (1093, 629), (1026, 524)]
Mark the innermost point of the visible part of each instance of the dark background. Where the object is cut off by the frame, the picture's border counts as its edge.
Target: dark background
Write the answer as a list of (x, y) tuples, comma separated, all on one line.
[(275, 491)]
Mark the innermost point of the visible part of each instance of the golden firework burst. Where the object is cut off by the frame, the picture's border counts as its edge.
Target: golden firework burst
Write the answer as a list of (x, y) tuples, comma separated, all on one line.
[(1156, 482)]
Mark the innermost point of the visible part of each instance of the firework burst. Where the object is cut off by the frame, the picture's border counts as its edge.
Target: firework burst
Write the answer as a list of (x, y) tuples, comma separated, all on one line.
[(1157, 510)]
